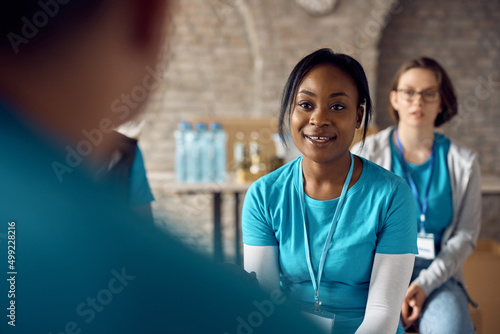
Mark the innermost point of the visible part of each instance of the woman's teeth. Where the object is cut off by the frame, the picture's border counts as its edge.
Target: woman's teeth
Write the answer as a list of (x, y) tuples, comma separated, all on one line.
[(320, 139)]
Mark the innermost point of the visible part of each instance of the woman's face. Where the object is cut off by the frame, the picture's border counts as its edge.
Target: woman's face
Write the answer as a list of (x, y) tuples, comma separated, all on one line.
[(423, 109), (325, 114)]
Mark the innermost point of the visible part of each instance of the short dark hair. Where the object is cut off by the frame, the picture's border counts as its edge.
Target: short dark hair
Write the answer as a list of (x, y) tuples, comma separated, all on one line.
[(446, 90), (32, 22), (324, 56)]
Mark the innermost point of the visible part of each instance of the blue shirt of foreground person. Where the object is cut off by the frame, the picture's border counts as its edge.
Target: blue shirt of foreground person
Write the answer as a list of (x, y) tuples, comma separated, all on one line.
[(74, 259)]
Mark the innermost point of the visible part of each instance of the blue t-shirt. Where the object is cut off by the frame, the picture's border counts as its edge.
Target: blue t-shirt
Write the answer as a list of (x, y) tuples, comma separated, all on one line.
[(140, 192), (377, 217), (439, 205)]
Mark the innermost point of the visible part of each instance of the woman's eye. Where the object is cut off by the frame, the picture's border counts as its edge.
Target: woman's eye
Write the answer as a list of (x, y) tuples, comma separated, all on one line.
[(305, 105), (337, 107), (430, 95), (409, 93)]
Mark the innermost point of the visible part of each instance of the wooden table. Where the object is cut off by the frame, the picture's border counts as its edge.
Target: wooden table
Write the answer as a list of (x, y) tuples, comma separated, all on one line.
[(216, 190)]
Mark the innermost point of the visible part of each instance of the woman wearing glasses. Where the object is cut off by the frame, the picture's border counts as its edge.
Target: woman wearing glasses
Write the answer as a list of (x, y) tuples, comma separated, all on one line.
[(445, 181)]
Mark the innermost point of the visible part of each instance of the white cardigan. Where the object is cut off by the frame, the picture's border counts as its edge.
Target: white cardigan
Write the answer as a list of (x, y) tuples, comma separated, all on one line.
[(459, 239)]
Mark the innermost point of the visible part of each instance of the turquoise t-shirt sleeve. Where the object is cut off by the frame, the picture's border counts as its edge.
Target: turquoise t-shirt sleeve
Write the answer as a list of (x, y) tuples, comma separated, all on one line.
[(140, 192), (256, 224), (398, 233)]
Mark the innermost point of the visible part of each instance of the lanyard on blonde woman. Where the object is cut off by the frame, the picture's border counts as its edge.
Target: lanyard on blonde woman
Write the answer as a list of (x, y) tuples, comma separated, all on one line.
[(316, 282)]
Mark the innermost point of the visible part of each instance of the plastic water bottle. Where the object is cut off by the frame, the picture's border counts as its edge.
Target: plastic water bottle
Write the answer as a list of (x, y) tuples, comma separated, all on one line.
[(219, 140), (203, 147), (210, 153), (181, 151), (241, 159), (257, 165), (191, 147)]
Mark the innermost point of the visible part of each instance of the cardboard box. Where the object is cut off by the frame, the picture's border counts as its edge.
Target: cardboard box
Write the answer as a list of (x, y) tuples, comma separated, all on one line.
[(482, 275)]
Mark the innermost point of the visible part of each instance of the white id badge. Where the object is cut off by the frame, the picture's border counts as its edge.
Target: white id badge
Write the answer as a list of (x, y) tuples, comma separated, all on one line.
[(323, 319), (425, 244)]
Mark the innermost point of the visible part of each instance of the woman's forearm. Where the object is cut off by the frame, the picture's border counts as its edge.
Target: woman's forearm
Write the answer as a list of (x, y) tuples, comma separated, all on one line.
[(389, 281)]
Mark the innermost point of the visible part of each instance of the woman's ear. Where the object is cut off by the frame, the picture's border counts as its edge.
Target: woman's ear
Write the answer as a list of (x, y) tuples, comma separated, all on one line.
[(359, 116), (393, 98)]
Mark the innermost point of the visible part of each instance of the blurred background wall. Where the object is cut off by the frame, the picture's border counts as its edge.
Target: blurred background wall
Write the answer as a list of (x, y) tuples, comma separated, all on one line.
[(230, 59)]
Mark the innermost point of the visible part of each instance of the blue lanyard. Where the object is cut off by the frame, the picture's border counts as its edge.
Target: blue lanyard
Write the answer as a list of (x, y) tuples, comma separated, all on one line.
[(317, 282), (422, 203)]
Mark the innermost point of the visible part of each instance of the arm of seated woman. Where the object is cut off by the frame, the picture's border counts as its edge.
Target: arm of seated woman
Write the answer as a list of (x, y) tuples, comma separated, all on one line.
[(389, 281), (263, 260)]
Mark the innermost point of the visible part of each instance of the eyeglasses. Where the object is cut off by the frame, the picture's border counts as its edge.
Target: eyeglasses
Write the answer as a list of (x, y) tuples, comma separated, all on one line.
[(410, 95)]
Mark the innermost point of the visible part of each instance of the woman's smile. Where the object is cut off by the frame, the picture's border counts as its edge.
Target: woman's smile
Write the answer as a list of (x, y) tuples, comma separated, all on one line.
[(320, 140)]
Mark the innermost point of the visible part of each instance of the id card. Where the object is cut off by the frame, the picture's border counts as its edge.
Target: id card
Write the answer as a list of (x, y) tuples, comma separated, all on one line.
[(323, 319), (425, 244)]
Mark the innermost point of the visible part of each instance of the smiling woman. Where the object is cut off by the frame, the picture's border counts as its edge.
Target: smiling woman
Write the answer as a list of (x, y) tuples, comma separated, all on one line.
[(328, 216), (319, 102)]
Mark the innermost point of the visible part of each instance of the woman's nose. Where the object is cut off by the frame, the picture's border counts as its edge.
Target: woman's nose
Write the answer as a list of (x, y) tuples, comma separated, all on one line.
[(418, 98), (319, 117)]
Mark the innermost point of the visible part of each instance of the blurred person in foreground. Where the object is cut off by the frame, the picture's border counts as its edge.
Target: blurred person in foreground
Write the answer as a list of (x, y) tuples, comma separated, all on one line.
[(446, 184), (74, 258)]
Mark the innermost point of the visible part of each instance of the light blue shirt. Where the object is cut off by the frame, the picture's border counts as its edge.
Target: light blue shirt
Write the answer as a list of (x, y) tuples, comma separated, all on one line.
[(439, 206), (377, 217), (140, 192)]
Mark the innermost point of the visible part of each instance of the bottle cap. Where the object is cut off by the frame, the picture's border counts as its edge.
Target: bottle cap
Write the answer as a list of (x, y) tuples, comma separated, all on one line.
[(183, 125), (240, 135), (216, 126), (200, 126)]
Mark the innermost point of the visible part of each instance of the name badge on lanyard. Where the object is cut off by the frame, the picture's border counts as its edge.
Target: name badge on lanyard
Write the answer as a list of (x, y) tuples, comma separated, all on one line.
[(323, 319), (425, 244), (425, 241)]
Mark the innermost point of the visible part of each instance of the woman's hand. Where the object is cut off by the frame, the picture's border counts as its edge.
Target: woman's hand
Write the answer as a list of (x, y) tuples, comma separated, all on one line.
[(412, 304)]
